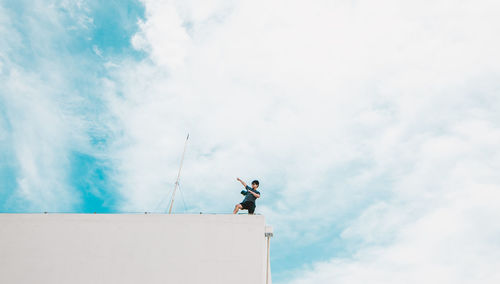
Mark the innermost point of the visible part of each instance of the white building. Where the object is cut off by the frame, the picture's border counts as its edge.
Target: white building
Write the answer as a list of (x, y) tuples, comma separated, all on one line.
[(133, 248)]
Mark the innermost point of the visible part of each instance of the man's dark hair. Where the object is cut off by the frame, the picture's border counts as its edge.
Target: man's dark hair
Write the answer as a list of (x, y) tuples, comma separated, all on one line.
[(256, 182)]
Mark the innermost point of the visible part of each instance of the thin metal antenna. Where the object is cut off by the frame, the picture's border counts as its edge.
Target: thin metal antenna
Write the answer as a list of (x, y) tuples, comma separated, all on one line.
[(178, 176)]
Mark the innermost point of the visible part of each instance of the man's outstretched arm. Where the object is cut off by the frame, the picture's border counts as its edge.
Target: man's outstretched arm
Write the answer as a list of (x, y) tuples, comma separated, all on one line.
[(242, 182)]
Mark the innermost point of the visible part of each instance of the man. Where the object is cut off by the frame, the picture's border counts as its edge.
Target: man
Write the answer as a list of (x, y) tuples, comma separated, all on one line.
[(251, 194)]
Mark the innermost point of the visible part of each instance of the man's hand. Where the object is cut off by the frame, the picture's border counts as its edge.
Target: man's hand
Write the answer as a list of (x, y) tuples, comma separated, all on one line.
[(242, 182)]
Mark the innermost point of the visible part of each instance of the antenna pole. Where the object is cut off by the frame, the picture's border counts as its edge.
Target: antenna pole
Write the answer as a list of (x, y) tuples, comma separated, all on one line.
[(178, 176)]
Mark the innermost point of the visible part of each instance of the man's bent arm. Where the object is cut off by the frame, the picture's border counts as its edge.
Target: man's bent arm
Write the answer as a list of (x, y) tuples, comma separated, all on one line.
[(254, 194)]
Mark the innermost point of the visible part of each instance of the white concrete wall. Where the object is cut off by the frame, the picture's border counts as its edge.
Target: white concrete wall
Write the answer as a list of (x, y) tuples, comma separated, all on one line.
[(127, 248)]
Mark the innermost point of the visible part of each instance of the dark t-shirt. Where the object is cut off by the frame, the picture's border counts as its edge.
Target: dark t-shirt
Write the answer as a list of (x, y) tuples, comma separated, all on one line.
[(249, 196)]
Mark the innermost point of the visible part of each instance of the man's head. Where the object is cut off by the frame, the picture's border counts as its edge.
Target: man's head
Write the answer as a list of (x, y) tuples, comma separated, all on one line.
[(255, 184)]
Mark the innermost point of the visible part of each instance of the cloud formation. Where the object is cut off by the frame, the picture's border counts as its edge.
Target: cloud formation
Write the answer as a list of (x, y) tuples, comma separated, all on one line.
[(39, 126)]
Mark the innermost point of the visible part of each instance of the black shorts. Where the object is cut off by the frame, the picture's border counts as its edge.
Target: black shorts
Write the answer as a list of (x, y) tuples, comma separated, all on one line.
[(249, 205)]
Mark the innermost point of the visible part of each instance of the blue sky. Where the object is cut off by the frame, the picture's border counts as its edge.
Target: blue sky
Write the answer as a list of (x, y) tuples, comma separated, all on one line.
[(61, 38), (373, 127)]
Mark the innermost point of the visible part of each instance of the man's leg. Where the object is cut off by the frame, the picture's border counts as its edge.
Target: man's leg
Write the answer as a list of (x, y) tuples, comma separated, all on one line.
[(251, 210), (237, 208)]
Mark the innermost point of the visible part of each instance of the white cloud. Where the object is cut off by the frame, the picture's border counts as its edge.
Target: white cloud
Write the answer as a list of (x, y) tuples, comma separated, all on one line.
[(438, 227), (384, 111), (97, 50), (169, 48)]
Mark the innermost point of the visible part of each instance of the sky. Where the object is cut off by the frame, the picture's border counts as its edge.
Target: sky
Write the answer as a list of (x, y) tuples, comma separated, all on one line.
[(372, 126)]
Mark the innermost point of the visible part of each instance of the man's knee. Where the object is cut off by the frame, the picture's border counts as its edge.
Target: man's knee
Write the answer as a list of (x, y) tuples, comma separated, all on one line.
[(238, 206)]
